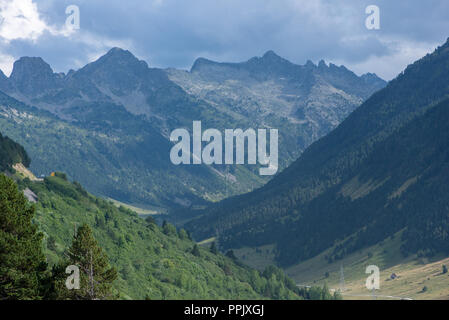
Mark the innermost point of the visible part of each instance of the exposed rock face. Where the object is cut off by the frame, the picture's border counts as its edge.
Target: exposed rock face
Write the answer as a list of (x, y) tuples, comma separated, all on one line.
[(30, 195)]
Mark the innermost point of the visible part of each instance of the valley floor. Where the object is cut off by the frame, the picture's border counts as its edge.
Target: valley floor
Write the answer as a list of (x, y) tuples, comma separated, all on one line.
[(418, 278)]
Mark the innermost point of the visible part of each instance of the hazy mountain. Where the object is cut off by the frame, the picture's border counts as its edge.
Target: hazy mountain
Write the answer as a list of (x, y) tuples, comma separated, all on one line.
[(270, 89), (380, 171), (113, 117), (112, 152)]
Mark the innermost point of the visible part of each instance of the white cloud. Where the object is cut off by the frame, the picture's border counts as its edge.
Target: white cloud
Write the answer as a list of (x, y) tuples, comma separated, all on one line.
[(388, 66), (6, 63), (20, 20)]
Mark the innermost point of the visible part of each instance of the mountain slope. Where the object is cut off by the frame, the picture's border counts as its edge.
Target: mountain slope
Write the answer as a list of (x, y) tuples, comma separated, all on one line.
[(338, 187), (386, 194), (126, 161)]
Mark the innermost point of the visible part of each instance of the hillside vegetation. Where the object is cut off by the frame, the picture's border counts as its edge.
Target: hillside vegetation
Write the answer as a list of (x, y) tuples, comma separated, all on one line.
[(152, 262), (11, 153)]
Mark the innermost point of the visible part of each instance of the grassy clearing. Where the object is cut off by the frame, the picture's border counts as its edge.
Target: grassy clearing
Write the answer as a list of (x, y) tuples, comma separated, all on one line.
[(413, 273), (206, 242), (140, 211), (257, 258)]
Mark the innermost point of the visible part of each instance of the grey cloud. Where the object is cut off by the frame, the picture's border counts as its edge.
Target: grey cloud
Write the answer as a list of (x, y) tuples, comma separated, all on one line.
[(173, 33)]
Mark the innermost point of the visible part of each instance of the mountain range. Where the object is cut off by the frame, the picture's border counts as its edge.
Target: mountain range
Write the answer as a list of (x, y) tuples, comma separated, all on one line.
[(108, 124), (381, 171)]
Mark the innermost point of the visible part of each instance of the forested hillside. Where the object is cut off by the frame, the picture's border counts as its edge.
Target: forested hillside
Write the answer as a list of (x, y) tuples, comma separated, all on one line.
[(11, 153), (353, 182), (132, 258), (152, 262)]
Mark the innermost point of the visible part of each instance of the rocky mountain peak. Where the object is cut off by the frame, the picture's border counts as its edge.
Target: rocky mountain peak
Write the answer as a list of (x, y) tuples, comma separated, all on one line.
[(118, 68), (272, 56), (370, 78), (201, 63), (118, 54), (272, 59), (30, 66), (32, 75), (322, 64), (310, 64), (119, 58)]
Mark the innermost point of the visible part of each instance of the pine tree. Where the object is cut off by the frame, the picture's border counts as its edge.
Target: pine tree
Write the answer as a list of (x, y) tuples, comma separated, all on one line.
[(196, 251), (230, 254), (213, 248), (96, 276), (325, 294), (22, 262)]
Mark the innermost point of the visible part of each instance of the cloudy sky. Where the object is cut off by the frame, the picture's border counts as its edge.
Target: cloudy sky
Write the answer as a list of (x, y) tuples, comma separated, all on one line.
[(173, 33)]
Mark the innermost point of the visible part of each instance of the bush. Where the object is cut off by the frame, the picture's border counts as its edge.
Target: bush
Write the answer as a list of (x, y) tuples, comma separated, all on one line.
[(61, 175)]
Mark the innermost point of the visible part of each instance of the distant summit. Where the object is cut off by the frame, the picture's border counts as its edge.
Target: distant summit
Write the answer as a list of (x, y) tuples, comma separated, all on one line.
[(121, 56), (32, 75), (271, 56), (200, 63), (273, 66), (30, 66), (116, 62)]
